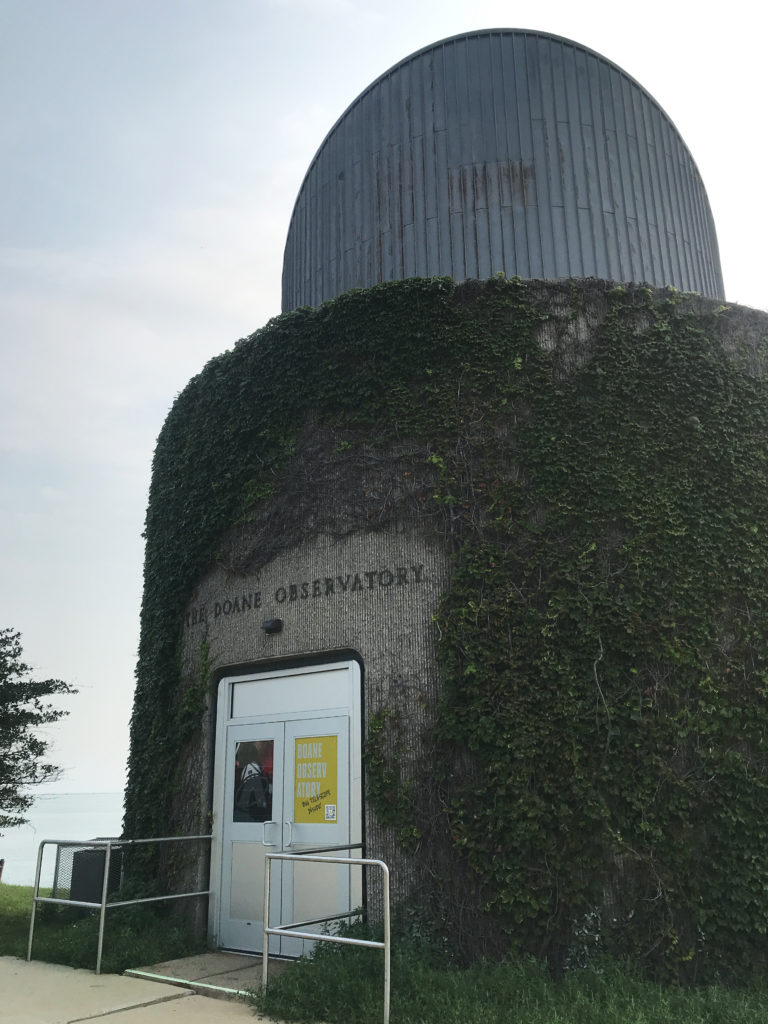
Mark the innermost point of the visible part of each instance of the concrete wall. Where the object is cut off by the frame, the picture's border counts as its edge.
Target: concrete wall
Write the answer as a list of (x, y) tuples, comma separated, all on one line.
[(374, 594)]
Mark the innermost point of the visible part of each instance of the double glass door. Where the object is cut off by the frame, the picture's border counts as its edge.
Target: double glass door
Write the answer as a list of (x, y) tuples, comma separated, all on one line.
[(286, 788)]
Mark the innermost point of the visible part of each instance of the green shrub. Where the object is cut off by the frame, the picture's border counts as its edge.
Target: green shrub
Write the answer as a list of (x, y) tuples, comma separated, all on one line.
[(344, 985)]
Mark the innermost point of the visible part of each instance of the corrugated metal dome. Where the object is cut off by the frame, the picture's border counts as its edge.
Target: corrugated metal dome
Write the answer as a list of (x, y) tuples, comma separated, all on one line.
[(507, 151)]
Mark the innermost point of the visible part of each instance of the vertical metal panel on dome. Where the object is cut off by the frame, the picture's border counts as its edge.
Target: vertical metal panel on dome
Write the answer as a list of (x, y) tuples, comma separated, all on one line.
[(501, 151)]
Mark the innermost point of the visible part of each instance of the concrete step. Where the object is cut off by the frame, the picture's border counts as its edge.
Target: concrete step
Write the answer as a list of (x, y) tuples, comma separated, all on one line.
[(221, 975)]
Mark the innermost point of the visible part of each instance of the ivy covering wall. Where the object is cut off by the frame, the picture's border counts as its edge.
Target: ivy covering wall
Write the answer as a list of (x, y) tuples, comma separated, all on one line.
[(594, 457)]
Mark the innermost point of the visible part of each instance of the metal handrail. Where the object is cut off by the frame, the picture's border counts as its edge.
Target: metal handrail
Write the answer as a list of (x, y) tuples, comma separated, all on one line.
[(292, 930), (107, 844)]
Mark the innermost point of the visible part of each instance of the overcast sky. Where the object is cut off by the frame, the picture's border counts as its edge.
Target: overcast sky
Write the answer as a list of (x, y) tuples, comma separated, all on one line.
[(151, 153)]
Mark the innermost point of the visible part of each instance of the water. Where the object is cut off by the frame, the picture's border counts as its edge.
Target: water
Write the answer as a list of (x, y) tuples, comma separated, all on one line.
[(57, 816)]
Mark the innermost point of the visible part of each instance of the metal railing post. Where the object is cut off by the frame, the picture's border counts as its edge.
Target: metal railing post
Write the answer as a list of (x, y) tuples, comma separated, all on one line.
[(265, 938), (103, 911), (35, 894), (387, 944)]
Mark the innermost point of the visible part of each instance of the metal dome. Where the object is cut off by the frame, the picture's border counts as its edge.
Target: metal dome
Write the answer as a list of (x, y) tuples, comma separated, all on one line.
[(507, 151)]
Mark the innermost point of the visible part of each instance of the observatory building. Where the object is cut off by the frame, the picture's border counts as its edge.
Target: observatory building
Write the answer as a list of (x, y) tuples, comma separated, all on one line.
[(309, 512)]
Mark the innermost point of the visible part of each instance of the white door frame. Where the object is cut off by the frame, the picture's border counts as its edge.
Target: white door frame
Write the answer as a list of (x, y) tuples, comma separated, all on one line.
[(288, 695)]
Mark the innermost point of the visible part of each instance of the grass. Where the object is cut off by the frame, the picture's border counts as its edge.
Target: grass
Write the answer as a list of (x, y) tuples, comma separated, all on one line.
[(133, 936), (343, 985)]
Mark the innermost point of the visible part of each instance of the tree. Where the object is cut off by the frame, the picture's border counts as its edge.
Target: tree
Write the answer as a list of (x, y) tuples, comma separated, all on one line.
[(23, 709)]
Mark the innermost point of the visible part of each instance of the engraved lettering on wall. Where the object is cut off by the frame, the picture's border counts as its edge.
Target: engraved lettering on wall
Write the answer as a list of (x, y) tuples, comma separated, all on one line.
[(323, 587)]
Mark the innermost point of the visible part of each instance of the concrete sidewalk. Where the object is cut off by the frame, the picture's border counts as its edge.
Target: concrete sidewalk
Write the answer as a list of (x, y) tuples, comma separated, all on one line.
[(37, 993)]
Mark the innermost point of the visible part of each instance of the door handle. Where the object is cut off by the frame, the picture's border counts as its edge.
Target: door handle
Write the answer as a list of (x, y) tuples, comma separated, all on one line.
[(290, 832), (265, 843)]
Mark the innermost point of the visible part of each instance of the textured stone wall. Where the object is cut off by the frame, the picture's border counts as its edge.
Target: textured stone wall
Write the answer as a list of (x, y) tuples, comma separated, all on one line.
[(359, 532), (374, 594)]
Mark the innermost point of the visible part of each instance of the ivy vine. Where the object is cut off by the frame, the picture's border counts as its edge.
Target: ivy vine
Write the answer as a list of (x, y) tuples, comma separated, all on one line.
[(595, 459)]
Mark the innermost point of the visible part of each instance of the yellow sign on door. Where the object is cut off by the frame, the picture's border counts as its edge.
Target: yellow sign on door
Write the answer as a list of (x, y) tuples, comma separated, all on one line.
[(315, 794)]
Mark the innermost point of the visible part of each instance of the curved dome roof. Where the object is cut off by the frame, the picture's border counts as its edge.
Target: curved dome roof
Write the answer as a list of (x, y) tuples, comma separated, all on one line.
[(508, 151)]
